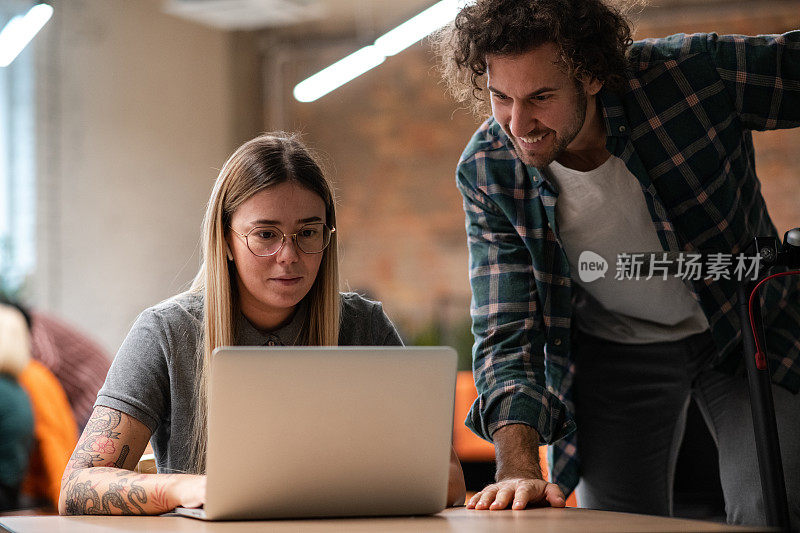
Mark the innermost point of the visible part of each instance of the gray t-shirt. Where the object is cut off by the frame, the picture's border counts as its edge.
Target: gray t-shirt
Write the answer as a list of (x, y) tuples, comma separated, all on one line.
[(153, 375)]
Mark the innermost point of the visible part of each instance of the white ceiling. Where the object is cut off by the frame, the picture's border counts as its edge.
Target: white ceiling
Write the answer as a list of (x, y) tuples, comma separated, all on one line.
[(335, 15)]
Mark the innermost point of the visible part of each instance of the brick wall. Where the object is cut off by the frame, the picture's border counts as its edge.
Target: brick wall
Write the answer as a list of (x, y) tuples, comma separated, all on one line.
[(394, 138)]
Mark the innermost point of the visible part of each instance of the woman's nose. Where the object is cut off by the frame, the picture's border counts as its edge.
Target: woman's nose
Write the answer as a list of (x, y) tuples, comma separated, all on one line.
[(289, 253)]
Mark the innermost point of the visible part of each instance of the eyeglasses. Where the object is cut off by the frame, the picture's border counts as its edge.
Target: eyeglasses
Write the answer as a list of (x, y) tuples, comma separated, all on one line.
[(264, 241)]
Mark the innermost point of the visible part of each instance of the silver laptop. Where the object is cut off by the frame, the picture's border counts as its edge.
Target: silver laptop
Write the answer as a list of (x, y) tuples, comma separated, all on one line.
[(335, 431)]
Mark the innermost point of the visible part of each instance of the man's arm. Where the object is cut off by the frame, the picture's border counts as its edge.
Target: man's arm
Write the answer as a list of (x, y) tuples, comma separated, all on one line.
[(508, 356), (762, 76), (517, 452), (519, 477)]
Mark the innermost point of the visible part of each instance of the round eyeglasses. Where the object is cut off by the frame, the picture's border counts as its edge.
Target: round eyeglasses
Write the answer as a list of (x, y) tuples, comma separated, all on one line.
[(264, 241)]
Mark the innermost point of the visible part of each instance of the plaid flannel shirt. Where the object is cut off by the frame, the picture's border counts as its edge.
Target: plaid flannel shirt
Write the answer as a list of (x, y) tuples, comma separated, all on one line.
[(682, 126)]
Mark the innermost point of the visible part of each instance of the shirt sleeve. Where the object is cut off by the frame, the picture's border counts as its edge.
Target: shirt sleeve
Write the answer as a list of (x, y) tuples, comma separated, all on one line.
[(508, 354), (137, 383), (761, 75)]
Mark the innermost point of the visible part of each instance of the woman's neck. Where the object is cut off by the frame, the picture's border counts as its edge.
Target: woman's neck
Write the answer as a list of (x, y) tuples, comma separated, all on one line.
[(266, 319)]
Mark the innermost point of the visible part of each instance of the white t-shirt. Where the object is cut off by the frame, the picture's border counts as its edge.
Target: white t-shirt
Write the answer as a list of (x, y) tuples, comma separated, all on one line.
[(604, 211)]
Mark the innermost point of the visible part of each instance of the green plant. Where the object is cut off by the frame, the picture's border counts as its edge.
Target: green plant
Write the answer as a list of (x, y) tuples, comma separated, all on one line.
[(457, 335)]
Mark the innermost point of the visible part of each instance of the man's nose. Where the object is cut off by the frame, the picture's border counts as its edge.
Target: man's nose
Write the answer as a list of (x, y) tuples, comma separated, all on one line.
[(522, 120)]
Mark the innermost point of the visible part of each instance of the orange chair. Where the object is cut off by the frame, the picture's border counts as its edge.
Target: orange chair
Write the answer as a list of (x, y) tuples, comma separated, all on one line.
[(470, 447), (55, 430)]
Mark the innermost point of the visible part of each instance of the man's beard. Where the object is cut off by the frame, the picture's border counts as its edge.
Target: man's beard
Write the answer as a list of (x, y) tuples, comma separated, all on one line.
[(560, 142)]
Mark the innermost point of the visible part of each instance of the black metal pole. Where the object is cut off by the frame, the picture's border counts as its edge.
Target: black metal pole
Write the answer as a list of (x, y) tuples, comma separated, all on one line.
[(768, 448)]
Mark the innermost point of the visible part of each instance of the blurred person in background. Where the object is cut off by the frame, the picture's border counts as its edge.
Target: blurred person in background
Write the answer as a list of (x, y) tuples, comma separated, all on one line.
[(598, 143), (269, 277), (78, 362), (16, 415), (54, 429)]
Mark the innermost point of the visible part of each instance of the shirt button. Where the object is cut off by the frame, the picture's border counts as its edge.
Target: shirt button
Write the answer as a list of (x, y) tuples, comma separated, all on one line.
[(622, 129), (557, 342)]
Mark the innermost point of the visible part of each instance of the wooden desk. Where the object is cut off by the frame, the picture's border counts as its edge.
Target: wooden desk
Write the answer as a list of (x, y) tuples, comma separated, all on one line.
[(545, 520)]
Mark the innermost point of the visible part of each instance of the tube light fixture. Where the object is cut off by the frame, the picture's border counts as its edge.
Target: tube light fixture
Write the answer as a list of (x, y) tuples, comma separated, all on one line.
[(389, 44), (20, 30), (338, 74)]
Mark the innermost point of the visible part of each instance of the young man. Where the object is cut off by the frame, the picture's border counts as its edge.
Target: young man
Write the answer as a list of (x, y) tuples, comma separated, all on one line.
[(600, 144)]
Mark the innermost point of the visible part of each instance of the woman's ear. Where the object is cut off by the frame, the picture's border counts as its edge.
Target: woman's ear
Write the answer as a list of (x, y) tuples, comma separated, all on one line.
[(228, 251)]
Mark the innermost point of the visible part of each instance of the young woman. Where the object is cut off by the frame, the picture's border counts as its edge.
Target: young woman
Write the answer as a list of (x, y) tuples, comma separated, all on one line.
[(269, 277)]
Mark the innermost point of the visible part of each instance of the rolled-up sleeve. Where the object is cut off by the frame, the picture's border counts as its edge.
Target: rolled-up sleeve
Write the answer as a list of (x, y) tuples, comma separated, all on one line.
[(507, 322)]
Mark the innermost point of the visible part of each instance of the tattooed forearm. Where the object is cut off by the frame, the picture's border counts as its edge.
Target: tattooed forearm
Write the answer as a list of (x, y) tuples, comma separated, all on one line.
[(159, 497), (83, 498), (109, 491), (98, 439), (99, 480), (137, 495), (82, 459), (120, 463)]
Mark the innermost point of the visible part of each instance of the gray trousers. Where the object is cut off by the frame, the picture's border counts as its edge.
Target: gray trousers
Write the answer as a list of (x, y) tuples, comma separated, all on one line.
[(630, 407)]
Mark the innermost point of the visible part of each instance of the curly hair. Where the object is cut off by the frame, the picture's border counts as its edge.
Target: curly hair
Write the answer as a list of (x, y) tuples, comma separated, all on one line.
[(592, 37)]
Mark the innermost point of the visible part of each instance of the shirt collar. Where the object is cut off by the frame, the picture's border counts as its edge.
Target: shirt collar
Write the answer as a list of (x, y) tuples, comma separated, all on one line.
[(287, 335), (613, 114)]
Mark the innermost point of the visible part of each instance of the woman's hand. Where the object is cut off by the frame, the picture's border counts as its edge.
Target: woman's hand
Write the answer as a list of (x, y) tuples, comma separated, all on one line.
[(456, 490), (188, 490)]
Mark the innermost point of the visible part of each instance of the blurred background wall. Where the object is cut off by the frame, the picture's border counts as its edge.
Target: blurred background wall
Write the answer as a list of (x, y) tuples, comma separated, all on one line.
[(136, 109)]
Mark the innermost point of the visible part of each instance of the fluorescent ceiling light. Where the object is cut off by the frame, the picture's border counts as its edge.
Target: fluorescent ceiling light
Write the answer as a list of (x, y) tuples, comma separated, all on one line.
[(338, 74), (418, 27), (389, 44), (20, 30)]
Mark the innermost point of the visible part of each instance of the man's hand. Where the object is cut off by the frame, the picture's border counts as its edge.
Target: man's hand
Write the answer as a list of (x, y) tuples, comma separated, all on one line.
[(521, 491), (519, 477)]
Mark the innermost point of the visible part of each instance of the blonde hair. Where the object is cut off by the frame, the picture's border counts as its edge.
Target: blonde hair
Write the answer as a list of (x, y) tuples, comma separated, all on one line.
[(258, 164), (15, 341)]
